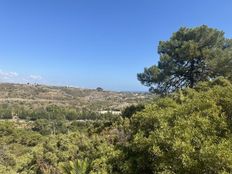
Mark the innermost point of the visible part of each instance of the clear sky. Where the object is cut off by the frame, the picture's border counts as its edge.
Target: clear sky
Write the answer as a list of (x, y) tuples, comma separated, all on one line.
[(91, 43)]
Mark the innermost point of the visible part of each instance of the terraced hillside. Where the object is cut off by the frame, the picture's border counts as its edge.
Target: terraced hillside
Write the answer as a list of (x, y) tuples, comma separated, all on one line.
[(41, 95)]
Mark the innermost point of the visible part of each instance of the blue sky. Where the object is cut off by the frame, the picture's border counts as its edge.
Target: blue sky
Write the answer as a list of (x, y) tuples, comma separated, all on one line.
[(91, 43)]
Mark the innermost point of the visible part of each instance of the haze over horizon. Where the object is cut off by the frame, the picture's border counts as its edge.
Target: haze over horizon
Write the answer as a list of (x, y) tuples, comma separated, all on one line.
[(94, 43)]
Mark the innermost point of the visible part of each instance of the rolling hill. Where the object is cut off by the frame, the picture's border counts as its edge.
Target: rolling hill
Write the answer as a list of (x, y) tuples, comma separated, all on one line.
[(34, 95)]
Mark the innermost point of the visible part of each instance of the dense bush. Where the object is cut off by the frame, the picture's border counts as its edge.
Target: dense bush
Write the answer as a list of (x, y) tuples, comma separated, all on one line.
[(187, 132), (129, 111)]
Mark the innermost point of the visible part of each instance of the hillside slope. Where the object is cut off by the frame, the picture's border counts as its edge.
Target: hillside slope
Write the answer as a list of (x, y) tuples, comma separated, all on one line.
[(41, 95)]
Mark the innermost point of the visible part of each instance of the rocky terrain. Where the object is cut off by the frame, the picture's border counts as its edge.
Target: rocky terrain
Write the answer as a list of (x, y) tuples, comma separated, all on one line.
[(35, 95)]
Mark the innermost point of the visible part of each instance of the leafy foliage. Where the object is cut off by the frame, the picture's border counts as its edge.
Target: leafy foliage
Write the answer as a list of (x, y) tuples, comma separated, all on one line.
[(129, 111), (77, 167), (190, 56), (187, 132)]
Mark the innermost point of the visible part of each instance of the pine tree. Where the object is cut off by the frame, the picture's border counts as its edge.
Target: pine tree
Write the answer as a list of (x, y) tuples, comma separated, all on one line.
[(191, 55)]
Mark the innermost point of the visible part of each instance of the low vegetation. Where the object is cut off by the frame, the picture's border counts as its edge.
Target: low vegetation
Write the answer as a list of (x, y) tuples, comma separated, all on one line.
[(189, 131), (185, 129)]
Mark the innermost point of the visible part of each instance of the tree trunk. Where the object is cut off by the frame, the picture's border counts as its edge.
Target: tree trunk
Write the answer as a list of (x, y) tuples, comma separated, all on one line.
[(191, 79)]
